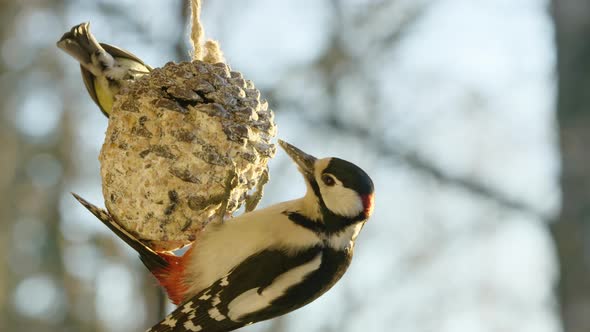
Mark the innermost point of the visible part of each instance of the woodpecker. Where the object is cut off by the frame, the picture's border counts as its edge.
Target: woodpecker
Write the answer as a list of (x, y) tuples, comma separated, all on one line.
[(267, 262), (105, 68)]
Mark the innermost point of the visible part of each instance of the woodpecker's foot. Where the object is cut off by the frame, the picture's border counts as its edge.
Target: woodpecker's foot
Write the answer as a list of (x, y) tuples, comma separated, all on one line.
[(230, 183), (254, 198)]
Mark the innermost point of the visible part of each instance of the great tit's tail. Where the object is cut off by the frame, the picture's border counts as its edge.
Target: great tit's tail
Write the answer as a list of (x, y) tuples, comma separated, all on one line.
[(81, 44)]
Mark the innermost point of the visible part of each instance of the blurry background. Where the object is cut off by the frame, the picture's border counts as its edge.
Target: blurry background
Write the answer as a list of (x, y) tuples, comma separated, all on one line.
[(471, 117)]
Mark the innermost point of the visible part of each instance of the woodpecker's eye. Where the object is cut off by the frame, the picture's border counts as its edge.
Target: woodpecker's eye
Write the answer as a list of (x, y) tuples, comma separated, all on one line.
[(328, 180)]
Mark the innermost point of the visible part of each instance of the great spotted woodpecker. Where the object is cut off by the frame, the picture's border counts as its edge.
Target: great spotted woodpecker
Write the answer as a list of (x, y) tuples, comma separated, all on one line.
[(264, 263), (105, 68)]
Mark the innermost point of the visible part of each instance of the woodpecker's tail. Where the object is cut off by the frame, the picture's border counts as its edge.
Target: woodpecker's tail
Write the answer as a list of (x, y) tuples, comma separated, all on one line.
[(81, 44), (166, 267)]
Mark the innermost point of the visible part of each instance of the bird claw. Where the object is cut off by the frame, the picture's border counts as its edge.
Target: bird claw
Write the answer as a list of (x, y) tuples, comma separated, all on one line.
[(230, 183), (254, 198)]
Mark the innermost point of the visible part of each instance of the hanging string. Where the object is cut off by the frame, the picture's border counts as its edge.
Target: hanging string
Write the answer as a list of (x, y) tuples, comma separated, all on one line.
[(209, 52), (196, 30)]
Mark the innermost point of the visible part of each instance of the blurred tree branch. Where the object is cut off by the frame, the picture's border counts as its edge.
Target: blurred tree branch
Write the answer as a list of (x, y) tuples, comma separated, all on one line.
[(403, 155), (572, 231), (338, 61)]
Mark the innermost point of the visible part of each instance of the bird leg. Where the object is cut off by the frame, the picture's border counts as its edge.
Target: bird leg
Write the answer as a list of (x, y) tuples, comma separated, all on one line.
[(254, 198)]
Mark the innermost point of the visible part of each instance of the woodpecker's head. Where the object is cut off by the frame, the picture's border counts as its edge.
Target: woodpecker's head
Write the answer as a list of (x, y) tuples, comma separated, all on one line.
[(341, 187)]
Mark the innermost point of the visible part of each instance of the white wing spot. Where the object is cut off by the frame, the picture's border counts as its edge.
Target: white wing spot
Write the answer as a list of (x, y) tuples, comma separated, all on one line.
[(190, 326), (250, 301), (188, 307), (169, 321), (205, 296), (215, 314), (216, 300), (224, 282)]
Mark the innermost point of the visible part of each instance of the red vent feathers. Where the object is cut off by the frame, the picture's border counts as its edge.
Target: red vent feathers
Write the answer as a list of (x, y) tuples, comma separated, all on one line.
[(171, 278)]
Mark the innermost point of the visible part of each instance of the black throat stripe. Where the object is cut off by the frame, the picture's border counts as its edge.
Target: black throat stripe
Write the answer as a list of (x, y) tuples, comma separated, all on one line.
[(329, 225), (301, 220)]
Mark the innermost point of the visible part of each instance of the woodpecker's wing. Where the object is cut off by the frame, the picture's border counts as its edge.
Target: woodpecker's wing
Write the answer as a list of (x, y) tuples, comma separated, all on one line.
[(266, 285), (150, 258)]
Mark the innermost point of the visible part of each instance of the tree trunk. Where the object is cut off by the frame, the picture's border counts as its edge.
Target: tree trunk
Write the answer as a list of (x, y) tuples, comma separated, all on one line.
[(572, 230)]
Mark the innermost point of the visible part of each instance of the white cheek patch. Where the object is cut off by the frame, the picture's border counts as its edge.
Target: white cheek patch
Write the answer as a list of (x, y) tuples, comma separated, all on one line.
[(250, 301), (342, 201)]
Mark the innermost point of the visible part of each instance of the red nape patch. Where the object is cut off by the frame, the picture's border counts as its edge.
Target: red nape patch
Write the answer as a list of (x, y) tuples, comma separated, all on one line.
[(171, 278), (368, 204)]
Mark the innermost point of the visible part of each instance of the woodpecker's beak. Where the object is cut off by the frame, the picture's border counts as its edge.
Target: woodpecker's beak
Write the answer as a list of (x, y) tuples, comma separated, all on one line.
[(303, 160)]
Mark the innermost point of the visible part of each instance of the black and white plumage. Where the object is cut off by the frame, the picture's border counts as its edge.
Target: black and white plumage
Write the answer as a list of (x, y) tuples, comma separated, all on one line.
[(267, 262)]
